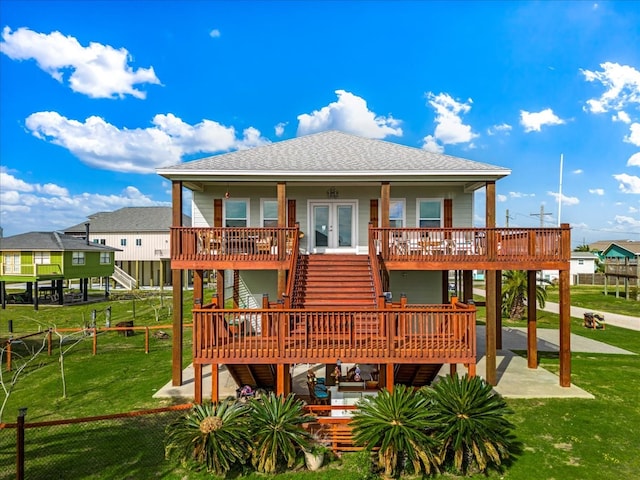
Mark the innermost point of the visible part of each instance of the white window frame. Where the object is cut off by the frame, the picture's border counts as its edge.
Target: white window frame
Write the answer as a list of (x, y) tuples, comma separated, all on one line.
[(105, 258), (433, 200), (123, 242), (77, 258), (224, 210), (14, 265), (391, 202), (42, 258), (138, 242), (262, 214)]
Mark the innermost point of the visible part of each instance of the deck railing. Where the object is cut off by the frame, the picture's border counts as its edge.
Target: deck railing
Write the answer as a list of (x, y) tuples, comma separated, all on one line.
[(233, 243), (471, 244), (436, 333), (32, 269)]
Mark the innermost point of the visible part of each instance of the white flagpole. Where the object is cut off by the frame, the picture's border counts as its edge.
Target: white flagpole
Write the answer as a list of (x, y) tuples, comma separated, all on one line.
[(560, 196)]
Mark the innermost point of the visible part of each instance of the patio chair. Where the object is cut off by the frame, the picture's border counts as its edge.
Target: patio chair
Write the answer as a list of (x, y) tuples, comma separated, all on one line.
[(318, 393)]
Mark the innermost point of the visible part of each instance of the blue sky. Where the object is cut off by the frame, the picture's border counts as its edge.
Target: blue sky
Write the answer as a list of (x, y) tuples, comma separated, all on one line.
[(94, 96)]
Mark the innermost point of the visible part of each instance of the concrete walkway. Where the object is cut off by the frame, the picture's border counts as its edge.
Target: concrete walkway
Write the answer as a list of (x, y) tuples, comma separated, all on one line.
[(623, 321)]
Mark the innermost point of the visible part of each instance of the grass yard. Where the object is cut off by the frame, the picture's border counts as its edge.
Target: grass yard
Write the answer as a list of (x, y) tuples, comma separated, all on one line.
[(561, 438), (593, 297)]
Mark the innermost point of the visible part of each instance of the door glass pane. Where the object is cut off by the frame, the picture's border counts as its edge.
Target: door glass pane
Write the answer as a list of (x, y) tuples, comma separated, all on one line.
[(321, 225), (344, 226)]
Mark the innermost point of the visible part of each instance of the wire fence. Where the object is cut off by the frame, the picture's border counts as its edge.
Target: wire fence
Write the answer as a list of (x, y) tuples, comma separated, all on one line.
[(120, 446)]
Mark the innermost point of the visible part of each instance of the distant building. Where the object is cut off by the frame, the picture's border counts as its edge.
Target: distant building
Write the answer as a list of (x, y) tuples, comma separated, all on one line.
[(143, 238), (581, 263), (622, 267)]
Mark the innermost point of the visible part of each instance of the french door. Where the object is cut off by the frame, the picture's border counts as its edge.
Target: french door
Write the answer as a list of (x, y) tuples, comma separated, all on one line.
[(333, 226)]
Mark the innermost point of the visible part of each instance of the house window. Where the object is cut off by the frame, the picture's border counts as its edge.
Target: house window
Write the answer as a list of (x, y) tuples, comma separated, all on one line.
[(429, 213), (41, 258), (105, 258), (12, 262), (396, 213), (269, 213), (77, 258), (123, 242), (138, 242), (580, 261), (235, 213)]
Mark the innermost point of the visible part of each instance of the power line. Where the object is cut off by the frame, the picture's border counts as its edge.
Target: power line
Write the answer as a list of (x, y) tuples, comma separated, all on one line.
[(541, 214)]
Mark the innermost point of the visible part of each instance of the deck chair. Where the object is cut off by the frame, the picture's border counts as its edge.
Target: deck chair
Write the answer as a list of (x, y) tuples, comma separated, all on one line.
[(318, 393), (263, 245)]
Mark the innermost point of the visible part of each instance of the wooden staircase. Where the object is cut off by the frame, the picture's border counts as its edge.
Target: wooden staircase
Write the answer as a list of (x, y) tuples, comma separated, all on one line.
[(333, 282), (416, 375), (257, 376)]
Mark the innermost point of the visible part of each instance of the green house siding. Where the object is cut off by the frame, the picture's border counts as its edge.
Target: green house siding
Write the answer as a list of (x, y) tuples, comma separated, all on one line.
[(91, 268), (59, 267)]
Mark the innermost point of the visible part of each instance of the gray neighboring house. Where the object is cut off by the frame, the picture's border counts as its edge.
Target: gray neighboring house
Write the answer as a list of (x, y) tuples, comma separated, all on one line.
[(142, 235)]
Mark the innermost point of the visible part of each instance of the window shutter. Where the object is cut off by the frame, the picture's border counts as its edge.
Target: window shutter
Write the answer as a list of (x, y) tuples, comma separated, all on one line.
[(373, 212), (448, 213), (217, 212)]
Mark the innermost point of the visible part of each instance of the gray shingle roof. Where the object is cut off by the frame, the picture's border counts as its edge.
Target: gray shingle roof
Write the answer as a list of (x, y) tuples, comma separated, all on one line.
[(50, 242), (334, 153), (130, 219)]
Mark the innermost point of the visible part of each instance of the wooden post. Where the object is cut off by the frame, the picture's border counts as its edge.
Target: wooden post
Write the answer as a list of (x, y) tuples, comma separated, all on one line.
[(220, 288), (197, 383), (280, 380), (176, 352), (95, 341), (388, 376), (565, 329), (198, 288), (146, 339), (532, 336), (282, 222), (9, 356), (490, 286), (385, 192), (49, 342), (215, 382), (20, 444), (499, 309)]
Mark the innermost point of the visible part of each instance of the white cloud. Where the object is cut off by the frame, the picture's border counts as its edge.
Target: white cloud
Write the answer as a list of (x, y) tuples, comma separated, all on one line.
[(98, 71), (349, 114), (622, 83), (534, 121), (578, 171), (215, 33), (502, 128), (140, 150), (27, 207), (597, 191), (279, 128), (623, 220), (565, 199), (634, 160), (521, 195), (628, 183), (634, 135), (501, 198), (449, 127), (430, 145), (621, 116)]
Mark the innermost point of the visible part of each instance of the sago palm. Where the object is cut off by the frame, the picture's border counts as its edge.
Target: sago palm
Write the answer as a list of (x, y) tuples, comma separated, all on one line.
[(473, 427), (514, 293), (398, 425), (277, 432), (211, 435)]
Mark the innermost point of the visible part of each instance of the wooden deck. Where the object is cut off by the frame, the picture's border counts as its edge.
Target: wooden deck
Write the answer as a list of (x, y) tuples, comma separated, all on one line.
[(398, 248), (437, 334)]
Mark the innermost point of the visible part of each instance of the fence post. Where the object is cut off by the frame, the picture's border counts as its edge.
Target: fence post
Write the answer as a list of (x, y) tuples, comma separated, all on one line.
[(146, 340), (22, 412), (9, 355), (49, 342), (95, 340)]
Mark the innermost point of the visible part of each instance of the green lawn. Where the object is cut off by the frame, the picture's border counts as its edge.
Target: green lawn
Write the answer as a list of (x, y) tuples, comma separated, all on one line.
[(593, 297), (561, 438)]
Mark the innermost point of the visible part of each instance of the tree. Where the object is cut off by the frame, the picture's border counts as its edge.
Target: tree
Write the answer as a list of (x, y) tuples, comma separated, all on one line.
[(514, 293), (582, 248)]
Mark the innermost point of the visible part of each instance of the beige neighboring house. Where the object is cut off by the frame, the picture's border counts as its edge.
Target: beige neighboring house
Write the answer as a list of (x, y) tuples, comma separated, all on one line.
[(142, 235)]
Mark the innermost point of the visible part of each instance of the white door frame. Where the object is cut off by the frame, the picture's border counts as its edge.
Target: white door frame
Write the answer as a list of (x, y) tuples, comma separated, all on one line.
[(332, 227)]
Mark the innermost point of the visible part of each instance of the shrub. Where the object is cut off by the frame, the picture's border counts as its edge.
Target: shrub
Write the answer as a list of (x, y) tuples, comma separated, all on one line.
[(214, 435), (276, 429), (398, 425), (472, 423)]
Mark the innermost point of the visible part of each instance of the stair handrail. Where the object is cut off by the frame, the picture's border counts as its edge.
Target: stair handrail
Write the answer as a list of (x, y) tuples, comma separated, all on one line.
[(123, 278), (375, 267), (293, 264)]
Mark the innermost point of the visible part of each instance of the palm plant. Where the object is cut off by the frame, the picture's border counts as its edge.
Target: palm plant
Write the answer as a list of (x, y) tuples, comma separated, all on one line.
[(212, 435), (397, 424), (514, 293), (473, 427), (277, 432)]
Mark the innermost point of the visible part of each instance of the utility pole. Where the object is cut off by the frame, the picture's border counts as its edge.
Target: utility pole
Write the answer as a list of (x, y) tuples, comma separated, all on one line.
[(506, 223), (541, 214)]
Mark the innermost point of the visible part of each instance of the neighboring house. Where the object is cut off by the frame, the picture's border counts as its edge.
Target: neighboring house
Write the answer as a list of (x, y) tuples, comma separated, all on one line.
[(622, 266), (42, 261), (582, 263), (351, 244), (141, 235)]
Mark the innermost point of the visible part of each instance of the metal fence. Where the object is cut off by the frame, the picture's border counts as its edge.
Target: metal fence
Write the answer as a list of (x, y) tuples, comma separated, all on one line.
[(120, 446)]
